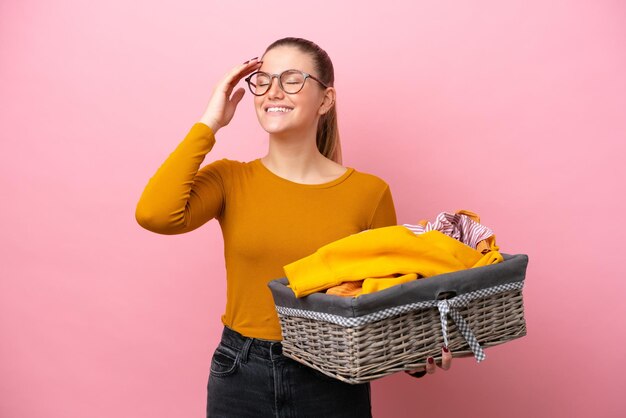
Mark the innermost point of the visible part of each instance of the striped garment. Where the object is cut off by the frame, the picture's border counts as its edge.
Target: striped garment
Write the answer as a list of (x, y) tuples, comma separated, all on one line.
[(458, 225)]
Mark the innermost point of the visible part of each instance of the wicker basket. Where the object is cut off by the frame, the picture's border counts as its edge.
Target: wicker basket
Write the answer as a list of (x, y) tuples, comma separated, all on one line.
[(356, 340)]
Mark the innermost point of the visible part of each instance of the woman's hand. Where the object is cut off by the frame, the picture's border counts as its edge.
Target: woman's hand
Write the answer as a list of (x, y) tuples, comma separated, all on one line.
[(431, 367), (221, 107)]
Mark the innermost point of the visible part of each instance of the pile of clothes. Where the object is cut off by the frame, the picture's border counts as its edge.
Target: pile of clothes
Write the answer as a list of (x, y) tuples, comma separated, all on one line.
[(377, 259)]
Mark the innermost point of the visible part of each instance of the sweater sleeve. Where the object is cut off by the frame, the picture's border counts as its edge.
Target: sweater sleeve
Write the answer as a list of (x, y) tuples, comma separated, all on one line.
[(385, 213), (179, 197)]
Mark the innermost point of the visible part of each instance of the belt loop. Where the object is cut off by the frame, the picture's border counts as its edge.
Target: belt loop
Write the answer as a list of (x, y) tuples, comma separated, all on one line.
[(275, 349), (246, 349)]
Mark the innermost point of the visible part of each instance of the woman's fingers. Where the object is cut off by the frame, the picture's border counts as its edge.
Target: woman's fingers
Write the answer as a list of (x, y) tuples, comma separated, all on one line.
[(446, 358), (242, 70), (430, 365), (237, 96), (250, 60), (221, 107), (234, 76), (237, 73)]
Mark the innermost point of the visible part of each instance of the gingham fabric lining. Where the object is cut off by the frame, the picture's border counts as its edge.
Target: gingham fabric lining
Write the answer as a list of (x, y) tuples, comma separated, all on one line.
[(445, 307)]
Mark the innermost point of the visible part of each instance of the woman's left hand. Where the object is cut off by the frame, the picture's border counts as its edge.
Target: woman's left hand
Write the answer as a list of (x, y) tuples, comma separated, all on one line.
[(431, 366)]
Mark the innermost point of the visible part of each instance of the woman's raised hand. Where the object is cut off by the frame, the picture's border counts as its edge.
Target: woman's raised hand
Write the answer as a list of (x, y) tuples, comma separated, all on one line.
[(221, 107), (431, 366)]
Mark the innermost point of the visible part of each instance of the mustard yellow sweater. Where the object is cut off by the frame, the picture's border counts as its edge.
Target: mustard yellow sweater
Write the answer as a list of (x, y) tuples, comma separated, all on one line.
[(266, 220)]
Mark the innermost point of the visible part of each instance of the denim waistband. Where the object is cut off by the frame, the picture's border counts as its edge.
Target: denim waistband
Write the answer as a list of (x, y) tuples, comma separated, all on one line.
[(269, 349)]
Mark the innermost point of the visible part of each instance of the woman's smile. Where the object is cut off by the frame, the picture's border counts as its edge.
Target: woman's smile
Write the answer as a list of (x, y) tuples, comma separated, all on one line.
[(278, 110)]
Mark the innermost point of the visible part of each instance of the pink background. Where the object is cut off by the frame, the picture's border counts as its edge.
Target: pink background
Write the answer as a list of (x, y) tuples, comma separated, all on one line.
[(515, 110)]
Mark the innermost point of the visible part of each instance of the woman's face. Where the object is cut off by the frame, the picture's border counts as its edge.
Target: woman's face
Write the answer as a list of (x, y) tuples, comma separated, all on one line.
[(303, 107)]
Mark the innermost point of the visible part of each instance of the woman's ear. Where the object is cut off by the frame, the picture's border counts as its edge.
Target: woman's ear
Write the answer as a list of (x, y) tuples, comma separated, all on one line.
[(328, 102)]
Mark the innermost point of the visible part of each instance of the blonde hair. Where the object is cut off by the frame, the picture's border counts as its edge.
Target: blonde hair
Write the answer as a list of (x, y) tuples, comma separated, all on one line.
[(327, 137)]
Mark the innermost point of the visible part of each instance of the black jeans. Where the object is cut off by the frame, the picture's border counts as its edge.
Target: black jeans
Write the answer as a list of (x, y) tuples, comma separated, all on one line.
[(250, 377)]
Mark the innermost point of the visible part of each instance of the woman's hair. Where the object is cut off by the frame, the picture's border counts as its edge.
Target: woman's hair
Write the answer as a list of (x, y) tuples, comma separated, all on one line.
[(327, 137)]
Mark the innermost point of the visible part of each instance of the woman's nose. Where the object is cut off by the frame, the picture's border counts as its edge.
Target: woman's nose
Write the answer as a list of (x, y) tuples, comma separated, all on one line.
[(274, 89)]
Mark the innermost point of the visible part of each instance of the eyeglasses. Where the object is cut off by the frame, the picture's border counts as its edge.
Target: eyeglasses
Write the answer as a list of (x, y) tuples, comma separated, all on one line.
[(290, 81)]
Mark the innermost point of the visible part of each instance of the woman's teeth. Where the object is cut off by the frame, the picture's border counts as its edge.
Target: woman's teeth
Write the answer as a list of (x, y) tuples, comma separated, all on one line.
[(278, 109)]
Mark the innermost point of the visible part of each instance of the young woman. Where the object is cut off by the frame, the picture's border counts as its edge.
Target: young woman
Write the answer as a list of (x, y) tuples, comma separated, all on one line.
[(272, 211)]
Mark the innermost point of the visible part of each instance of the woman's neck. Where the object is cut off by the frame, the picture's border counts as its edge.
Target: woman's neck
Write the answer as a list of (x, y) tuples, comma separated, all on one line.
[(295, 158)]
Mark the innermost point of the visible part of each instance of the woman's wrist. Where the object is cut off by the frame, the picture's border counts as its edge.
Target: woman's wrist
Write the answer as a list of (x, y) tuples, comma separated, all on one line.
[(214, 126)]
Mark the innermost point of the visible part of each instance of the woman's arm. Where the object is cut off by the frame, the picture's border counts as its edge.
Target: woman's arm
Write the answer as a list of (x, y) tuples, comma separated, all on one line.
[(179, 198)]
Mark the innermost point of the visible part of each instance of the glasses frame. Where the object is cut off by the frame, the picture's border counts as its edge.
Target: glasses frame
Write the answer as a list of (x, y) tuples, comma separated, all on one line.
[(280, 83)]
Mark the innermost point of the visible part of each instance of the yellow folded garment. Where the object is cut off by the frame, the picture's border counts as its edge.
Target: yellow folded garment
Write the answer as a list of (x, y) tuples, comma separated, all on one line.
[(488, 244), (374, 284), (380, 252), (492, 257)]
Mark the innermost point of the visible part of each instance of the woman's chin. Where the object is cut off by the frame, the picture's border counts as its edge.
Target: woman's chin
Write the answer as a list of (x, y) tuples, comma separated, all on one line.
[(272, 128)]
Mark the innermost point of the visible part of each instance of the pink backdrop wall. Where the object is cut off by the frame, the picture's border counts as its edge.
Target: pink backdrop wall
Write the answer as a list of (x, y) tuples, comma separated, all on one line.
[(515, 110)]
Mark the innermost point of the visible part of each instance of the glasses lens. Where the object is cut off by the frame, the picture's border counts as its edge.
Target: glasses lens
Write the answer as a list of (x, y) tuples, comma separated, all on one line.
[(292, 81), (260, 82)]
